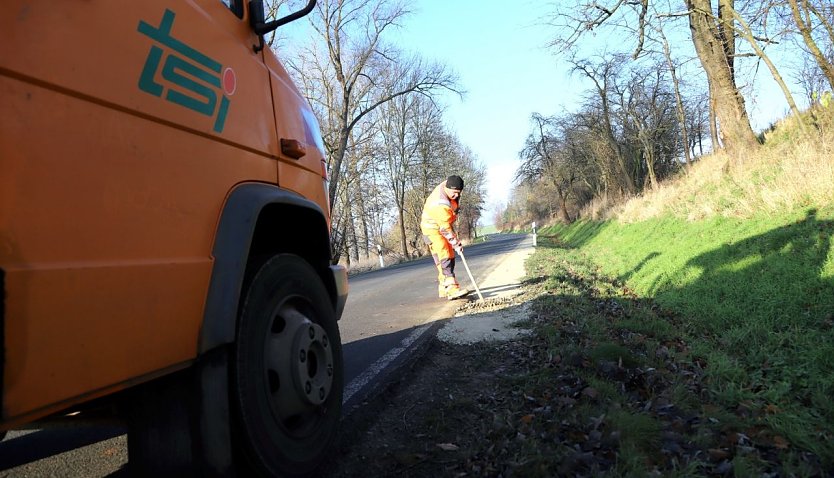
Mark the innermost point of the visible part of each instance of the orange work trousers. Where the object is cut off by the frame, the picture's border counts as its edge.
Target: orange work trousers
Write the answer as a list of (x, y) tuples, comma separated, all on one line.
[(444, 256)]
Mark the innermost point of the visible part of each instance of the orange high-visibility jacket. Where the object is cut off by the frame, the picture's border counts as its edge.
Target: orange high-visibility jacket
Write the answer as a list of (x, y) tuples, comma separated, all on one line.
[(439, 215)]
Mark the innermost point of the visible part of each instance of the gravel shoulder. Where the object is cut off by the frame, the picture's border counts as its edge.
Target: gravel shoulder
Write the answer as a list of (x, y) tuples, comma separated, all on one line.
[(422, 425)]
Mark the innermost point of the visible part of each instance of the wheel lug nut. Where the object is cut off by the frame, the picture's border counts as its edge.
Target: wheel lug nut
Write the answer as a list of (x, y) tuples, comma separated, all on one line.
[(308, 387), (303, 356), (312, 332), (321, 393), (324, 341)]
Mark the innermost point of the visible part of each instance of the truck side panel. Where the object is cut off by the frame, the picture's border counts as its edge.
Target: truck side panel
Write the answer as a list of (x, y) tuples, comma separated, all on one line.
[(112, 179), (172, 61)]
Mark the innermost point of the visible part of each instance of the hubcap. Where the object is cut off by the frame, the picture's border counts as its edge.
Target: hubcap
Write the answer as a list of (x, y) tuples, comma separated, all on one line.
[(299, 366)]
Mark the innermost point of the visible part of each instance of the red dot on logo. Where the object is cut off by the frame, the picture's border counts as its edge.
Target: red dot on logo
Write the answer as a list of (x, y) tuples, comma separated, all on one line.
[(229, 81)]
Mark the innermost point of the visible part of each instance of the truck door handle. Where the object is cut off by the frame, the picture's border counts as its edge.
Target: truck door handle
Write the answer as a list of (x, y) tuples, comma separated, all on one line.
[(293, 148)]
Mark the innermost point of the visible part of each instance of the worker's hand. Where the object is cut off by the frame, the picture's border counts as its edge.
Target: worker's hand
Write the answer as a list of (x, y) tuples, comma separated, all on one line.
[(459, 249)]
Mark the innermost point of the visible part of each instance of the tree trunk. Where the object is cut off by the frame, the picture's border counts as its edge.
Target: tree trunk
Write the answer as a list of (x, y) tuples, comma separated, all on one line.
[(363, 222), (351, 225), (713, 120), (402, 231), (805, 30), (336, 164), (747, 34), (735, 132), (563, 204), (678, 99), (726, 33), (650, 160)]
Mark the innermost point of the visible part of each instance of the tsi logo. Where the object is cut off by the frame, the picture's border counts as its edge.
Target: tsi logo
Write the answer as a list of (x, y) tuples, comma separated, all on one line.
[(191, 79)]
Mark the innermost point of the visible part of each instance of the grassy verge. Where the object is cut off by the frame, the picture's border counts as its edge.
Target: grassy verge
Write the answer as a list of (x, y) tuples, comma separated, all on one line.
[(664, 348), (749, 310)]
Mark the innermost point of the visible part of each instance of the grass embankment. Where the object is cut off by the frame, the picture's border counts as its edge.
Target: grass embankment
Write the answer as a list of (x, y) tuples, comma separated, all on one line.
[(724, 281), (660, 348), (751, 303)]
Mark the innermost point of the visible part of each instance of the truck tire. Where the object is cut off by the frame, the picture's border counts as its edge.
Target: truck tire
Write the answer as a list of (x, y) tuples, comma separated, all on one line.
[(286, 371)]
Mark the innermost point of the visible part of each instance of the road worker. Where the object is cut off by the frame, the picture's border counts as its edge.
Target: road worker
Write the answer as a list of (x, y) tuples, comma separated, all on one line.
[(437, 225)]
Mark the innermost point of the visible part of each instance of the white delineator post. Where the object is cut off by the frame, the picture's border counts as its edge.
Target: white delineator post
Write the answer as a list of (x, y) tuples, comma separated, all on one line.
[(534, 233), (379, 252)]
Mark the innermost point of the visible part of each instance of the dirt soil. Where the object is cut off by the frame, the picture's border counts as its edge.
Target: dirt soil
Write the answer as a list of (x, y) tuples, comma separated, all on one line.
[(432, 421)]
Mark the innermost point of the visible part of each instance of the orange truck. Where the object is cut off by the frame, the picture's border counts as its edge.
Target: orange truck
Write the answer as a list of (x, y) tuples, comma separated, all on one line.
[(165, 246)]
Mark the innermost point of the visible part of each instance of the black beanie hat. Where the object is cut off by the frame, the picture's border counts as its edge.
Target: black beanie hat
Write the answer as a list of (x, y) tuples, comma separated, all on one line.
[(454, 182)]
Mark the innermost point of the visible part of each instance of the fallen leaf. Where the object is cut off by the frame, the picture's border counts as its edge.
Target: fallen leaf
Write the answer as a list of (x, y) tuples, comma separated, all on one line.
[(110, 452), (717, 454), (447, 446), (780, 443)]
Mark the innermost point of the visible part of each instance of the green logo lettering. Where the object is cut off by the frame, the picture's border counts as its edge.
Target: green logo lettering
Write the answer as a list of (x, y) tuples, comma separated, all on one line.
[(190, 78)]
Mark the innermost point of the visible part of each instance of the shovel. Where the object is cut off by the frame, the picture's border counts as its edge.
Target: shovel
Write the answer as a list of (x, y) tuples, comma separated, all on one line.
[(463, 258)]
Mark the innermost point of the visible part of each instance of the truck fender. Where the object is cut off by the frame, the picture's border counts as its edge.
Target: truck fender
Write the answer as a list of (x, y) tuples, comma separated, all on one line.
[(233, 241)]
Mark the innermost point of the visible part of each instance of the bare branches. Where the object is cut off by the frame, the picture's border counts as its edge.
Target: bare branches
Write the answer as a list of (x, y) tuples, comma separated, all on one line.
[(641, 28), (805, 25), (574, 21), (713, 38), (368, 95)]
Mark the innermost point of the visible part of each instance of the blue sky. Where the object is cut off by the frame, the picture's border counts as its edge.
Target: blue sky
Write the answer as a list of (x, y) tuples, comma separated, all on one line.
[(498, 51)]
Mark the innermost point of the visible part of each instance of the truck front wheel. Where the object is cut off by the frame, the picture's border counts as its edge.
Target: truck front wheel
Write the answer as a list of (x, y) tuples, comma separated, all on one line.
[(287, 371)]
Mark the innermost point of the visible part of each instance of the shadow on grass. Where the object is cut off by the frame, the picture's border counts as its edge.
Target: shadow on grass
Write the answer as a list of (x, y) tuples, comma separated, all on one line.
[(763, 308), (769, 301), (774, 278)]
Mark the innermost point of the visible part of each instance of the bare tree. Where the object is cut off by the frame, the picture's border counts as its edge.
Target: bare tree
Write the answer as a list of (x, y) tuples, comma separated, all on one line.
[(399, 145), (808, 15), (647, 111), (676, 86), (603, 74), (545, 159), (715, 44), (812, 80), (712, 37), (746, 32), (367, 72), (698, 122)]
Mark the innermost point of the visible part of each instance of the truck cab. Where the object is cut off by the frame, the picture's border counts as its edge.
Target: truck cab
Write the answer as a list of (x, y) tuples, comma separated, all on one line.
[(164, 235)]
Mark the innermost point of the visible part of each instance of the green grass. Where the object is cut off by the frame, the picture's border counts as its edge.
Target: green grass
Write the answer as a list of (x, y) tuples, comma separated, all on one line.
[(488, 229), (753, 298)]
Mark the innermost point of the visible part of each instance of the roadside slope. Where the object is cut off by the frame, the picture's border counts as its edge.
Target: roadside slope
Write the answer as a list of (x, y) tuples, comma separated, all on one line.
[(605, 381)]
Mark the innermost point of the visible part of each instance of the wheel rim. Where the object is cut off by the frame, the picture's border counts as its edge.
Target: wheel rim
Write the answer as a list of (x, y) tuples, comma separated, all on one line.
[(299, 368)]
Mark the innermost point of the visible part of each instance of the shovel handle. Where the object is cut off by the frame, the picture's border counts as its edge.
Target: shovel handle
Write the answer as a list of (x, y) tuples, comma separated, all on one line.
[(463, 258)]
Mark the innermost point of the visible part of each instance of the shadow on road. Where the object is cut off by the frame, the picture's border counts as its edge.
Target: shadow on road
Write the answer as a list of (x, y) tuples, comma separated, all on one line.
[(37, 445)]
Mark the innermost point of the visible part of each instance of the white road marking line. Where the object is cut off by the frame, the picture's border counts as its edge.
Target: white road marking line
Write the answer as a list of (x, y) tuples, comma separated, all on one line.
[(357, 383)]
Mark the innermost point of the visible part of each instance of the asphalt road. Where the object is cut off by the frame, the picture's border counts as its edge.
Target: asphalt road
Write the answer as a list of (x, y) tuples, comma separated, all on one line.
[(391, 311), (389, 314)]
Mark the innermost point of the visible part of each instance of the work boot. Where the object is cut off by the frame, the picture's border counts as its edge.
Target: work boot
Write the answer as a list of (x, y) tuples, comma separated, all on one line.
[(441, 291), (455, 292)]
